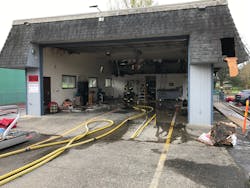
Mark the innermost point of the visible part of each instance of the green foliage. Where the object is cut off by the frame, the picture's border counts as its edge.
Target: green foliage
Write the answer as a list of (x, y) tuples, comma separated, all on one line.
[(139, 3), (242, 81), (235, 90), (236, 81), (245, 75), (222, 75)]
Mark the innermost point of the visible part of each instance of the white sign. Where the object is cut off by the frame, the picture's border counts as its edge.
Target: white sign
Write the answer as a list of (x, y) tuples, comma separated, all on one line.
[(33, 88)]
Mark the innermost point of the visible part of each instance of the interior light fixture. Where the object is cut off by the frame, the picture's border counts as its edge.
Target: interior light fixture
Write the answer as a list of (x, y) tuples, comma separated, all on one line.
[(33, 51), (101, 69), (107, 53), (123, 63)]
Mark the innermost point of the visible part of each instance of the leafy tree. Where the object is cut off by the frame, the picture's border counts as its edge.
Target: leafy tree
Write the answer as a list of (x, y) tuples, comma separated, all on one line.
[(245, 75), (222, 75), (242, 80), (236, 81)]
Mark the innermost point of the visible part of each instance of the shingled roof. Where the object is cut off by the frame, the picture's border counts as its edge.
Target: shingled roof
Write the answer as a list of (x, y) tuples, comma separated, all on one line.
[(205, 22)]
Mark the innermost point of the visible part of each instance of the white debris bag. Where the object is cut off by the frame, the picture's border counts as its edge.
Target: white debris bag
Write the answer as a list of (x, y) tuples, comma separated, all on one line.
[(206, 138), (232, 139)]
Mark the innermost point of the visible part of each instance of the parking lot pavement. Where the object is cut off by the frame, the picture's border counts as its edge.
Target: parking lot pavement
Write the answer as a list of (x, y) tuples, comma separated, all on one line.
[(121, 162)]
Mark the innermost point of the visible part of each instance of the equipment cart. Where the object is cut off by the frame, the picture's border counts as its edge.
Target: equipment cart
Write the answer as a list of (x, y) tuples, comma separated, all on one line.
[(8, 136)]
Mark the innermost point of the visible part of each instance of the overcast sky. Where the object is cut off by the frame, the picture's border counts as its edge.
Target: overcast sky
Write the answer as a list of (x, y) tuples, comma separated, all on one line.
[(21, 9)]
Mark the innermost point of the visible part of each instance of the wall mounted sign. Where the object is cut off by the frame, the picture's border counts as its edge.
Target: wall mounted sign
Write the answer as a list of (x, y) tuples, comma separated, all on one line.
[(33, 78), (33, 88)]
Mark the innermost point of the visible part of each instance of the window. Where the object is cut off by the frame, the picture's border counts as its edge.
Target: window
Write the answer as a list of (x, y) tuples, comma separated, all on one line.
[(171, 84), (92, 82), (68, 82), (108, 82)]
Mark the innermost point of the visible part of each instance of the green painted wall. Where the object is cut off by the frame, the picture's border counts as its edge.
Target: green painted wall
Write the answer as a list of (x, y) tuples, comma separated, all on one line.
[(12, 86)]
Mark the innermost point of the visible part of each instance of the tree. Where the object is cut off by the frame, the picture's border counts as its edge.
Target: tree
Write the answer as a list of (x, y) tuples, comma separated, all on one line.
[(125, 4), (236, 81), (245, 75), (222, 75)]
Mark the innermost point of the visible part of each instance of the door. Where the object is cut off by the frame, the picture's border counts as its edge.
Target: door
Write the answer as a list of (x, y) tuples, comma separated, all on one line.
[(46, 91), (83, 91), (151, 87)]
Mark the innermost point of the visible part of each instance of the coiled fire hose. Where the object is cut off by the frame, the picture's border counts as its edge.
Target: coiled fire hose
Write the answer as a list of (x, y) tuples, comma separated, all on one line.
[(70, 143)]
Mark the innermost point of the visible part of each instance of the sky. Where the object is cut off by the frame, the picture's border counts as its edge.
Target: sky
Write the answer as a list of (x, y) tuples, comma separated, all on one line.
[(15, 9)]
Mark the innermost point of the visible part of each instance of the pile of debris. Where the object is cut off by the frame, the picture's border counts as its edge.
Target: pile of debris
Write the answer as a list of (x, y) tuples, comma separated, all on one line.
[(222, 134)]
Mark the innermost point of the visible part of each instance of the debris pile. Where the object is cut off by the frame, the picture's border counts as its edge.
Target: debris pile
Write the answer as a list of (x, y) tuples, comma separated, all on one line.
[(221, 134)]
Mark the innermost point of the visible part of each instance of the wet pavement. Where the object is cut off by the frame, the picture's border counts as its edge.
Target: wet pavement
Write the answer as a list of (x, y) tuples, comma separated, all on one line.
[(241, 152), (118, 161)]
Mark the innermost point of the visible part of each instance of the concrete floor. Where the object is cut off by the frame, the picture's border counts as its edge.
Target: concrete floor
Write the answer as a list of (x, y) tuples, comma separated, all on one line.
[(118, 161)]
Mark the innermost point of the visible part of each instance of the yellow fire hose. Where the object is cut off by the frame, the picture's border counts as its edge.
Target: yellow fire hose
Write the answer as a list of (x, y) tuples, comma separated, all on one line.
[(73, 129), (142, 127), (18, 172), (39, 162), (39, 145), (35, 146)]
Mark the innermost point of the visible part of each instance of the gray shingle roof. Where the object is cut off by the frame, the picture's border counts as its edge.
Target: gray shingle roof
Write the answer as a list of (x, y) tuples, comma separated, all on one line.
[(205, 23)]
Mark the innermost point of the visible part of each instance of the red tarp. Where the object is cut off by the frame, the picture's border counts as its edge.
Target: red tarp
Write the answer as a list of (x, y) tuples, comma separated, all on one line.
[(5, 122)]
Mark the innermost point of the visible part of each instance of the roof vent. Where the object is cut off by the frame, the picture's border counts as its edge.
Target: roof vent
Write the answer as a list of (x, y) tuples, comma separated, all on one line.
[(26, 23), (202, 7)]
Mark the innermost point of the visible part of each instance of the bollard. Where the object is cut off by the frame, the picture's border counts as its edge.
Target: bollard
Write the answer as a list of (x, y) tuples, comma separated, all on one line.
[(245, 117)]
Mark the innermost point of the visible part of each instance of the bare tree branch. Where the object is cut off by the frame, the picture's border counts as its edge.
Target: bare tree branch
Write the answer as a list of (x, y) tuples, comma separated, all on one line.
[(121, 4)]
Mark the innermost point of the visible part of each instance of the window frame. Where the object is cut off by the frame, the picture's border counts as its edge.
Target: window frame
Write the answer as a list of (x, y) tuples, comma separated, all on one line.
[(96, 85), (110, 82), (68, 76)]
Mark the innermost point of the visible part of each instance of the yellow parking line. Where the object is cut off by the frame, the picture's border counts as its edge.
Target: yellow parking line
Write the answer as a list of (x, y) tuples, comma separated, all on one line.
[(142, 127), (163, 157), (155, 121)]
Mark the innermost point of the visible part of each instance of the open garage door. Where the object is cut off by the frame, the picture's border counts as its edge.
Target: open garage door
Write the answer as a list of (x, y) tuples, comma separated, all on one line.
[(155, 68)]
